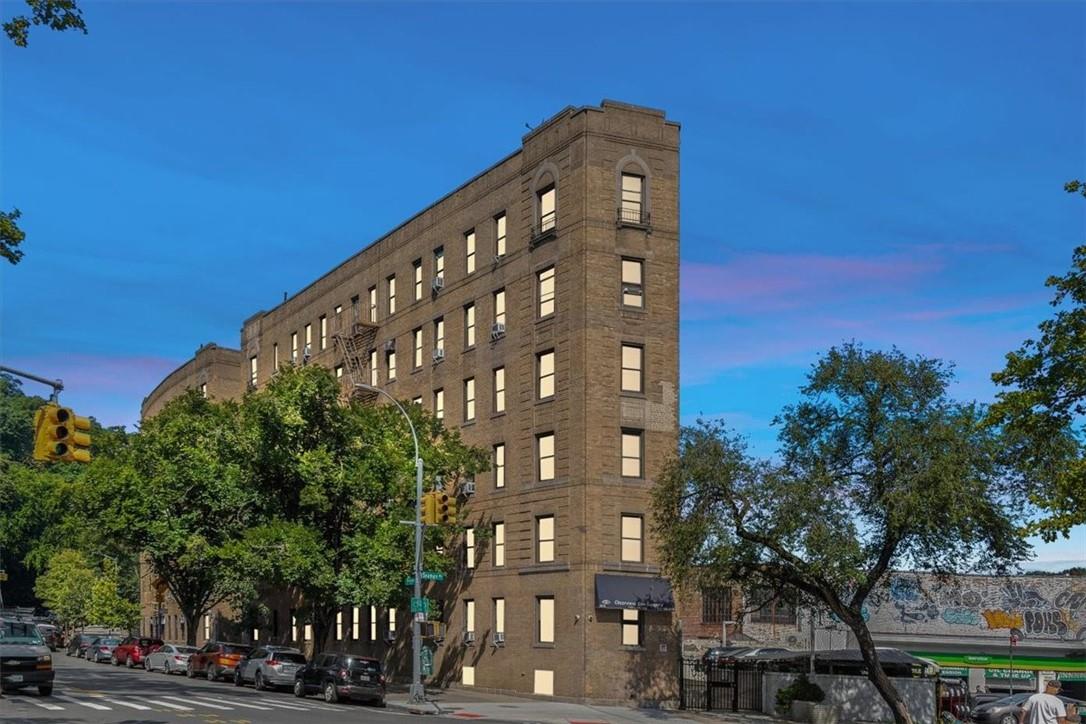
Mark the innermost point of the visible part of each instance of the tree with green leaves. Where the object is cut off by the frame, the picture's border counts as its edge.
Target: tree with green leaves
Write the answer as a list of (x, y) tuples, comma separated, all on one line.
[(336, 480), (1042, 404), (56, 14), (177, 493), (108, 606), (65, 588), (878, 468)]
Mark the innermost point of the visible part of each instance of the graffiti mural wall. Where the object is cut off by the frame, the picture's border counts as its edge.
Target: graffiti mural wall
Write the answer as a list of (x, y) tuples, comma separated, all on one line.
[(1033, 607)]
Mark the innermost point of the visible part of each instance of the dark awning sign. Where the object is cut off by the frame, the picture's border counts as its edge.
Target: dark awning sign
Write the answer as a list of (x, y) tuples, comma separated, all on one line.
[(637, 592)]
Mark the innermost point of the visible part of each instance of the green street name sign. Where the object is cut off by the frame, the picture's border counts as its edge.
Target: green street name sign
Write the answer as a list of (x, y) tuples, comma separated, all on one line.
[(426, 576), (420, 605)]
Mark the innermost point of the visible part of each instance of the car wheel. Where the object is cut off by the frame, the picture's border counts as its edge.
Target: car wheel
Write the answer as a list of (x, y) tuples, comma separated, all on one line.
[(113, 660), (147, 665), (128, 661), (190, 671), (299, 688), (237, 677), (258, 682), (331, 696), (211, 673), (45, 689), (1008, 719)]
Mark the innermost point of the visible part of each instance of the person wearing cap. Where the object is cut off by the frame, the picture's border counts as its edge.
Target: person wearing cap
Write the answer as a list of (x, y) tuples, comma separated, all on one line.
[(1047, 708)]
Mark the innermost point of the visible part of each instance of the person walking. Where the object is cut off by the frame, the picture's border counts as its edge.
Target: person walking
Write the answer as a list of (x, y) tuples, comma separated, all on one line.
[(1047, 708)]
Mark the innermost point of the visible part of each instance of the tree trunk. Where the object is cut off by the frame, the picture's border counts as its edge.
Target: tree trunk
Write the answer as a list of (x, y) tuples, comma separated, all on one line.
[(191, 617), (322, 624), (877, 676)]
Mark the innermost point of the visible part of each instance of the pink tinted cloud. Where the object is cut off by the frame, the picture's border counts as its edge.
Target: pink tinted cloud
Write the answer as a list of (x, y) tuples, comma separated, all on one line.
[(772, 282), (977, 307)]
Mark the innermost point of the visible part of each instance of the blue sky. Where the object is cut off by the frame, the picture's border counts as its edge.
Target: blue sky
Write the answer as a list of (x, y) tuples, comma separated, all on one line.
[(886, 172)]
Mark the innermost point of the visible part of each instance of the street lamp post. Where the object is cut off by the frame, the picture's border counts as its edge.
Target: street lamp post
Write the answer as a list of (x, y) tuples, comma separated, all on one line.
[(418, 691)]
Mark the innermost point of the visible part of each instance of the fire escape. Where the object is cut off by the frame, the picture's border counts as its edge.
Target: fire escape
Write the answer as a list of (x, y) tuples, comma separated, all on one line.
[(355, 344)]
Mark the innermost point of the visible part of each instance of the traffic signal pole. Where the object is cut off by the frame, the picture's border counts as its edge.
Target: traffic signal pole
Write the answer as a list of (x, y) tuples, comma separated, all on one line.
[(57, 385), (417, 694)]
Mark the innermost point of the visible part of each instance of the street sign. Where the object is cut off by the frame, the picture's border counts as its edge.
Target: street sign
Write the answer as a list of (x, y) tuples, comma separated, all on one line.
[(420, 605), (427, 661), (426, 576), (420, 617)]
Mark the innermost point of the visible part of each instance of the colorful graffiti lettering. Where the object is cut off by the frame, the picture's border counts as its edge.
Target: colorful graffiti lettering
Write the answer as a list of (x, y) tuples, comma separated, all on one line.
[(961, 616), (1002, 619)]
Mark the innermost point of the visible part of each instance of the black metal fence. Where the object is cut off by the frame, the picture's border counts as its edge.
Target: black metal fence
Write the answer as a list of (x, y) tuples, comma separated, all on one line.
[(720, 686)]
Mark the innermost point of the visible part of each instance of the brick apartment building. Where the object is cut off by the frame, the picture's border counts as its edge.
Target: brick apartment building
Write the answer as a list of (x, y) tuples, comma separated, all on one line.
[(536, 308)]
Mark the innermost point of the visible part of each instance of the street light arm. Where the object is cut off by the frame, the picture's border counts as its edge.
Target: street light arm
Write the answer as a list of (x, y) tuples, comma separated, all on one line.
[(411, 425)]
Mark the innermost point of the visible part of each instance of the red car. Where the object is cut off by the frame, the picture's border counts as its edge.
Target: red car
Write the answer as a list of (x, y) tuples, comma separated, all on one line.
[(216, 659), (132, 650)]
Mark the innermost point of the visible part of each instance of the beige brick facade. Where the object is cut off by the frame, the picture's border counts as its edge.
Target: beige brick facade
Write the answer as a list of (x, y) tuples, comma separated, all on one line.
[(583, 153)]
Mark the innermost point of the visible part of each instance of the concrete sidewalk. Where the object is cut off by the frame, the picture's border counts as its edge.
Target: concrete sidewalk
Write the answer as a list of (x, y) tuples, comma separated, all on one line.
[(469, 705)]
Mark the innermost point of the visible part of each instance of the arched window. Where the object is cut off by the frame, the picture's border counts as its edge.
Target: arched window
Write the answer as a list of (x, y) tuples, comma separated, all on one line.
[(545, 202), (632, 191)]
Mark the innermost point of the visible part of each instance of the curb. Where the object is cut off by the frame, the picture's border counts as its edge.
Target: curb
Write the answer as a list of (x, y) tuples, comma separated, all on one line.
[(425, 707)]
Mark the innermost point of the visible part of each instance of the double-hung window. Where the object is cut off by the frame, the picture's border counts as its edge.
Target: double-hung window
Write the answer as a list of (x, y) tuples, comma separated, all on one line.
[(418, 279), (545, 454), (545, 616), (373, 304), (545, 291), (631, 627), (499, 618), (252, 371), (469, 399), (275, 356), (547, 211), (544, 543), (373, 367), (631, 204), (633, 293), (499, 389), (499, 545), (499, 234), (439, 404), (631, 538), (439, 333), (469, 547), (469, 620), (390, 363), (469, 251), (439, 264), (373, 623), (391, 281), (499, 307), (631, 454), (294, 348), (416, 347), (324, 332), (308, 350), (356, 621), (632, 368), (545, 374), (499, 465), (469, 326)]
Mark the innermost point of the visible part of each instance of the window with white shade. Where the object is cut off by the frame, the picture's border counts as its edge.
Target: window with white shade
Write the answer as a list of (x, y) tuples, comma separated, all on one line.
[(499, 616), (545, 616), (308, 349), (439, 404), (631, 203), (356, 621), (416, 347), (545, 374), (391, 282), (499, 465), (324, 331), (390, 359), (469, 325), (631, 627), (499, 389), (545, 453), (631, 454), (547, 212), (544, 539), (275, 356), (439, 262), (633, 293), (373, 367), (469, 251), (417, 400), (418, 279), (632, 372), (308, 632), (499, 234), (391, 623), (545, 291), (339, 625), (373, 623), (499, 307), (373, 304), (439, 333), (294, 348), (469, 547), (469, 619), (252, 371), (631, 538), (469, 399), (355, 309), (499, 544)]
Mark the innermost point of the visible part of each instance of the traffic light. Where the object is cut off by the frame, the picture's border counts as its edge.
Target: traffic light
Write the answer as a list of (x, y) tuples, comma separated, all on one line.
[(60, 435), (446, 509), (429, 508)]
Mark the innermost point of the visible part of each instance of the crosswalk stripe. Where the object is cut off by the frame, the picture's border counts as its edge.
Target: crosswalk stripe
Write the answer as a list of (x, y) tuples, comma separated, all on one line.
[(198, 702), (129, 704), (233, 702), (165, 703), (42, 704), (88, 704), (295, 707)]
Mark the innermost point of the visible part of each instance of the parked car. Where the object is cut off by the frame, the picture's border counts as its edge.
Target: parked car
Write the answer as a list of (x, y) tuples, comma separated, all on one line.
[(132, 650), (216, 659), (269, 666), (26, 658), (101, 648), (1005, 710), (722, 653), (755, 653), (342, 676), (50, 634), (170, 658)]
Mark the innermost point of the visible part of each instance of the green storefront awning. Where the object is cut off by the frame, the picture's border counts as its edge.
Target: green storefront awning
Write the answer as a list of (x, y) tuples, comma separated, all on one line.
[(996, 661)]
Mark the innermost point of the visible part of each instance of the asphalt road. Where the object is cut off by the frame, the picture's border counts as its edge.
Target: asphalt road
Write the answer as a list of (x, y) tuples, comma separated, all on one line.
[(86, 692)]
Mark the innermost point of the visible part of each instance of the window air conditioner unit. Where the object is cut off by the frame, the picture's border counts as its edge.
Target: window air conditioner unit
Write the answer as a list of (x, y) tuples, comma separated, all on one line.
[(499, 638), (469, 487), (497, 330), (438, 283), (469, 637), (306, 355), (390, 345), (439, 354)]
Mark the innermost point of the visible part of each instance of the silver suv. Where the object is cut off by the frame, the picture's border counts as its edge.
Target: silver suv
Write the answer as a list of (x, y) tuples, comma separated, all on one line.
[(24, 658), (269, 666)]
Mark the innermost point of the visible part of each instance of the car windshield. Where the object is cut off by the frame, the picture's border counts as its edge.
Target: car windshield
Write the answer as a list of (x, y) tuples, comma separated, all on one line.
[(289, 657), (150, 642), (236, 649), (185, 649), (108, 642), (19, 633), (369, 665)]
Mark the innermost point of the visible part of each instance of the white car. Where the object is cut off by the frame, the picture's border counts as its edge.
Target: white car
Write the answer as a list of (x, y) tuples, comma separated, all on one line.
[(169, 658)]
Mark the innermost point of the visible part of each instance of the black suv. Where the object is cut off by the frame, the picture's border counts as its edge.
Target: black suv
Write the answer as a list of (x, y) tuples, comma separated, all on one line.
[(345, 676)]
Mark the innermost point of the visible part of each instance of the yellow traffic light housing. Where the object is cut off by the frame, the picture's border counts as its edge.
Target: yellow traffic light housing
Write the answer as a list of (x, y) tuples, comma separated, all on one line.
[(60, 435), (429, 508), (446, 509)]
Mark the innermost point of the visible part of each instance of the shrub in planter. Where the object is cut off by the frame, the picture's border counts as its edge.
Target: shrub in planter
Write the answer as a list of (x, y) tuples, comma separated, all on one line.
[(801, 690)]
